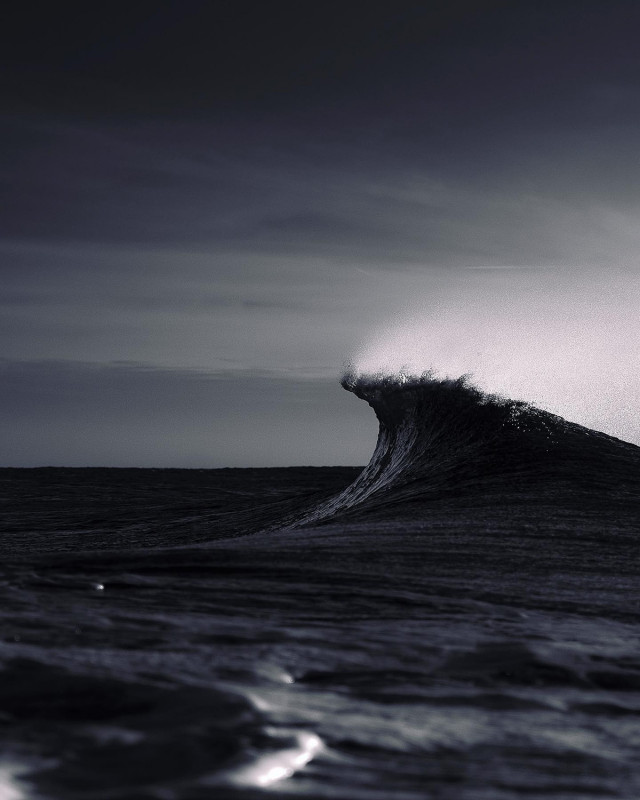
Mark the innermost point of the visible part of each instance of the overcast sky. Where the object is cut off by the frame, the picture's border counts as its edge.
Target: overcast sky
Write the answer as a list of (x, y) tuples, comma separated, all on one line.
[(208, 207)]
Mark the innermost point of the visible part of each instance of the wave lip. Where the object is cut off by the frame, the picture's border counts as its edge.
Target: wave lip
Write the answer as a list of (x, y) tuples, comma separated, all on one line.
[(442, 437)]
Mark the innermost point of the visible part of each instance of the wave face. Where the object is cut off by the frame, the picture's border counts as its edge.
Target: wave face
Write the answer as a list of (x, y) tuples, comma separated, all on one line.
[(443, 438)]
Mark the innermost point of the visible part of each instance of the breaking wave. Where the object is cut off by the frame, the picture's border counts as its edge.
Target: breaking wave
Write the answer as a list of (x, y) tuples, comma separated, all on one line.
[(443, 437)]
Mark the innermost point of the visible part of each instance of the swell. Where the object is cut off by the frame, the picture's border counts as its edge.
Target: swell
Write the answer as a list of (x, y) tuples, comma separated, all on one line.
[(442, 439), (445, 451)]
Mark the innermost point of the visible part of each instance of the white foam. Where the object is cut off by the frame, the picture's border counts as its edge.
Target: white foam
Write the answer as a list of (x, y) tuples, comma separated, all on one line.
[(273, 767), (11, 788)]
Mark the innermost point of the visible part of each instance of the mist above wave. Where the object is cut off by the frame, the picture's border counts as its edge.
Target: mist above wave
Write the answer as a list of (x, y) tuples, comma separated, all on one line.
[(564, 342), (442, 437)]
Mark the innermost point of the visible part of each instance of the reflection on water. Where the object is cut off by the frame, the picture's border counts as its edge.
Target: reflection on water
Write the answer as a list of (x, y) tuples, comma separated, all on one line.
[(269, 769)]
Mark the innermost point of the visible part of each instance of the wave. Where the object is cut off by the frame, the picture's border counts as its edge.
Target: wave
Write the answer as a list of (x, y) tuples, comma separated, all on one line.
[(445, 438), (441, 442)]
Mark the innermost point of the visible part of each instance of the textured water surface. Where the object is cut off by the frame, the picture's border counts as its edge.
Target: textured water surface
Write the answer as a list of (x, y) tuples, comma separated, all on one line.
[(451, 626)]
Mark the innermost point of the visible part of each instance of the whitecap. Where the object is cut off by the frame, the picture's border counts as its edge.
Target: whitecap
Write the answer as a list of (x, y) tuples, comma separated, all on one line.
[(270, 768)]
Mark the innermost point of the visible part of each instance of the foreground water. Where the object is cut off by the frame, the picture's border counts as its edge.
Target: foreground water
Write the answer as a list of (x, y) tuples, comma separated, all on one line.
[(351, 660), (461, 623)]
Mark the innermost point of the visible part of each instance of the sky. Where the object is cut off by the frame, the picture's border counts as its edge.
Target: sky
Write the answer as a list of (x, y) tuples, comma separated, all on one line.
[(210, 207)]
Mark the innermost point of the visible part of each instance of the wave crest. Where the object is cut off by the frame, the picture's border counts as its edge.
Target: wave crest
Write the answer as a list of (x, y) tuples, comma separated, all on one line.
[(444, 437)]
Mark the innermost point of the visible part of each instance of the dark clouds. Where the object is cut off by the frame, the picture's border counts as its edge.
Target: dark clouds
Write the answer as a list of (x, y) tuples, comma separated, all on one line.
[(172, 57), (458, 57)]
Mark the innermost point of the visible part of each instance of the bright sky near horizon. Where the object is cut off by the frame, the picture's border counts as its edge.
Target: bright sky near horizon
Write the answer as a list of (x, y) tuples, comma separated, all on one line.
[(210, 207)]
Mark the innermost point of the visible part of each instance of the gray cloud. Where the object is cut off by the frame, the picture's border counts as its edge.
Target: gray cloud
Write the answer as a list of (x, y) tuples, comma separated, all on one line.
[(529, 198)]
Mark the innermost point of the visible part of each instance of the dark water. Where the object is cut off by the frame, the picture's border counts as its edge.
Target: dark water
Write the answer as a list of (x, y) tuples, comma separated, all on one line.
[(461, 622)]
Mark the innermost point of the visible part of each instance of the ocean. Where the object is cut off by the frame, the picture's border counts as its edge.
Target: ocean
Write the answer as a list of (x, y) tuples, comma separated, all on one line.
[(459, 620)]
